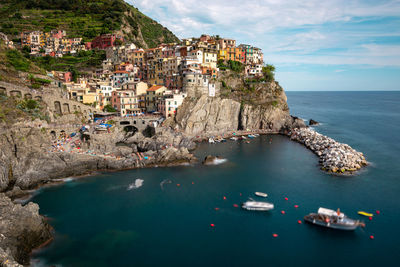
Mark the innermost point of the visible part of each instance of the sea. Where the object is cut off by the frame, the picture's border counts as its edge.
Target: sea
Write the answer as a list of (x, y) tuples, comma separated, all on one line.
[(191, 215)]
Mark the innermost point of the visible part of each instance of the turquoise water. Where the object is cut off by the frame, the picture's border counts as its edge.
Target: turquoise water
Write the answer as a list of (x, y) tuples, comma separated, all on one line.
[(98, 222)]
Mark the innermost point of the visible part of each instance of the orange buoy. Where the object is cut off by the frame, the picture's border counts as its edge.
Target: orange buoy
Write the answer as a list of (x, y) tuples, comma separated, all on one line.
[(240, 194), (296, 206), (286, 198), (224, 197), (212, 225), (216, 208), (275, 235), (370, 218), (282, 211), (378, 212), (236, 205), (371, 237), (299, 222), (178, 184), (192, 182)]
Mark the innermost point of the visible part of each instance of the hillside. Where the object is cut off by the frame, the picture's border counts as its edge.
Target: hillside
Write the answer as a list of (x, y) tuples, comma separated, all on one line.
[(83, 18)]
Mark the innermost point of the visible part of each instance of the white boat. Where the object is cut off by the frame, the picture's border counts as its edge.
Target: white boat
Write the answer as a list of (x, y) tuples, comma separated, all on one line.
[(211, 140), (256, 135), (234, 138), (251, 136), (260, 194), (244, 137), (257, 206)]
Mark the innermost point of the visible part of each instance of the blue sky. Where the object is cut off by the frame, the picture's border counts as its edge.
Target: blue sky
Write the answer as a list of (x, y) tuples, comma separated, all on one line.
[(314, 44)]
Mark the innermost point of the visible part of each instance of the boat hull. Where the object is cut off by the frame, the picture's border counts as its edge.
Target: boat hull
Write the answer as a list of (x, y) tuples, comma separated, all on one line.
[(345, 227)]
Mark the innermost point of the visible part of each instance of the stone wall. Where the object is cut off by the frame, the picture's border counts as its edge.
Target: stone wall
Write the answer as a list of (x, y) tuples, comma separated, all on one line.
[(56, 104)]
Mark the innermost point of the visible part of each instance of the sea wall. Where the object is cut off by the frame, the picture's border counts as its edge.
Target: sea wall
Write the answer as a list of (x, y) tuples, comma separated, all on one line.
[(334, 157)]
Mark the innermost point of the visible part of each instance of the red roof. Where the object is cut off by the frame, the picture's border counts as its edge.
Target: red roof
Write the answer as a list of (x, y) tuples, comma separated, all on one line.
[(155, 88)]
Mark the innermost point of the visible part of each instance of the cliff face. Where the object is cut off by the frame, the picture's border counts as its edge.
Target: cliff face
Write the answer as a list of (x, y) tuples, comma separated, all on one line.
[(242, 105), (207, 114), (21, 230)]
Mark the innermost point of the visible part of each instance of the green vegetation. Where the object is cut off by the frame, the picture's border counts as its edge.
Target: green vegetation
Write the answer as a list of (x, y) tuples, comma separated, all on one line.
[(269, 72), (17, 60), (109, 108), (235, 66), (37, 83), (83, 59), (13, 109), (86, 19)]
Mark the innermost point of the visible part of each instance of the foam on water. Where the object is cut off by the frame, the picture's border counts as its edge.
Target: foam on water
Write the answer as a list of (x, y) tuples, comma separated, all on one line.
[(138, 183)]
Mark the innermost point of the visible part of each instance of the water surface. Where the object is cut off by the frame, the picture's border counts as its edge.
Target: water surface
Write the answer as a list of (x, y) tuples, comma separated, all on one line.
[(98, 222)]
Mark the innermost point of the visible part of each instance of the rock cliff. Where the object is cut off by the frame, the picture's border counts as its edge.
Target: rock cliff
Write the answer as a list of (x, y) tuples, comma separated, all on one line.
[(21, 230), (241, 105)]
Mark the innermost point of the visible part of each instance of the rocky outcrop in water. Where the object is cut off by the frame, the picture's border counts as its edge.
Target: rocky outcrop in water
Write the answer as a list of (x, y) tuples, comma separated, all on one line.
[(21, 230), (334, 156), (312, 122)]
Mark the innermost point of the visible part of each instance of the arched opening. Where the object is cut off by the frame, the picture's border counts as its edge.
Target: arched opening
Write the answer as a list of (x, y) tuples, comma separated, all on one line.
[(53, 134), (130, 129), (124, 123), (38, 98), (15, 93), (28, 96), (66, 108), (57, 107), (3, 91)]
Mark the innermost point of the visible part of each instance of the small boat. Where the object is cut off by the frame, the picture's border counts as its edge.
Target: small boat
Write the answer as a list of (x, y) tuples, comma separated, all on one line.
[(251, 136), (365, 213), (257, 205), (244, 137), (332, 219), (234, 138), (256, 135), (260, 194), (211, 140)]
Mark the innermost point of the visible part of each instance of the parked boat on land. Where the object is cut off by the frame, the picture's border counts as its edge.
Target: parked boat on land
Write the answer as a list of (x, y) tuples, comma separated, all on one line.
[(332, 219), (257, 205), (260, 194)]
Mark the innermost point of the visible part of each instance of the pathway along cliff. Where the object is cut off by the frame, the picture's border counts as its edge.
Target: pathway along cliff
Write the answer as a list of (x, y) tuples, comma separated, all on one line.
[(29, 159)]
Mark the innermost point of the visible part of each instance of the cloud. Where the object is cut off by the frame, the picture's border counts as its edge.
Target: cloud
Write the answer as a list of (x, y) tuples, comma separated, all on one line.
[(294, 33)]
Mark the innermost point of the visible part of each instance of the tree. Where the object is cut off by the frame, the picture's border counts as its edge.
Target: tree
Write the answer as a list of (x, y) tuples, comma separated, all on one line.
[(118, 42), (109, 108), (269, 72)]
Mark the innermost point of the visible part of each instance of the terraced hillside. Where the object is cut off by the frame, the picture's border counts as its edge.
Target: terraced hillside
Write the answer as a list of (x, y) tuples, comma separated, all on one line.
[(83, 18)]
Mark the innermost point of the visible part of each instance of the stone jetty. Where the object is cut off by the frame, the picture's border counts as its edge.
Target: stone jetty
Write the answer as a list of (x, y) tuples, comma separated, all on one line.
[(334, 157)]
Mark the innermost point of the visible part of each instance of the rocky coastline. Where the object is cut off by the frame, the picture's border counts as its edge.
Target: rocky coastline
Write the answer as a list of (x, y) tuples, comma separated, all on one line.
[(333, 156), (30, 157)]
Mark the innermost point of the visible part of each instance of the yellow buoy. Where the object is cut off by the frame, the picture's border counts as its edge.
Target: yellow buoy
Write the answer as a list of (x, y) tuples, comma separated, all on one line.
[(365, 213)]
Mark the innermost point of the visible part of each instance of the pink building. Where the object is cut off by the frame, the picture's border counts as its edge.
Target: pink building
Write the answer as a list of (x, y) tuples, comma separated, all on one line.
[(105, 40)]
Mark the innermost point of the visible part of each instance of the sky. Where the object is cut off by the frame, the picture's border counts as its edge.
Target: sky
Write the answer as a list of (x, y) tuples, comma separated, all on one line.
[(322, 45)]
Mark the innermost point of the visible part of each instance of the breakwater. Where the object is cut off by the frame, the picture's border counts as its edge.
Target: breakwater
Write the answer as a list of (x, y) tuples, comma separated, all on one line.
[(334, 156)]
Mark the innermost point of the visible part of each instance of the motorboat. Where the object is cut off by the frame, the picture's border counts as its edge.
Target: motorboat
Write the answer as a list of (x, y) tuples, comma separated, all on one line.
[(333, 219), (211, 140), (251, 136), (234, 138), (257, 205), (260, 194)]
